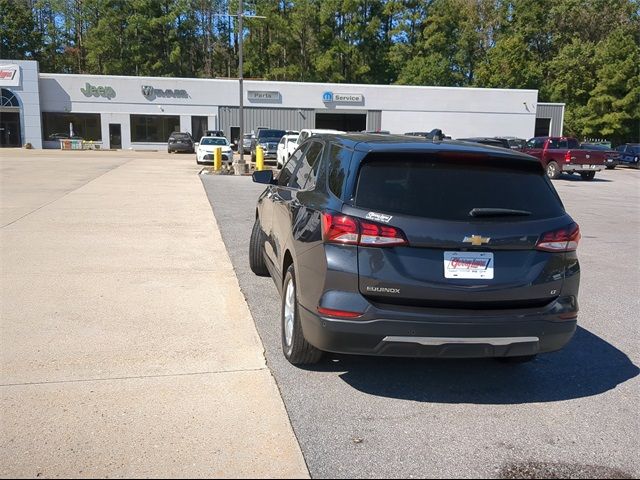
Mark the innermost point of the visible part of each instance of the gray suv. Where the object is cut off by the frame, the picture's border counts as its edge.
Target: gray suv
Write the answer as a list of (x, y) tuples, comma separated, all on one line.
[(268, 139), (401, 246)]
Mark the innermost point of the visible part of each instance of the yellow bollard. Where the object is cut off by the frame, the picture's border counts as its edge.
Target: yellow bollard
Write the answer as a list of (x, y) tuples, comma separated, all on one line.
[(259, 158), (217, 159)]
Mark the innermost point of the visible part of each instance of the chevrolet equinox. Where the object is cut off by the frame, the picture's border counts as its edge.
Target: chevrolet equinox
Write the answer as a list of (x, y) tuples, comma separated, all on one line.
[(403, 246)]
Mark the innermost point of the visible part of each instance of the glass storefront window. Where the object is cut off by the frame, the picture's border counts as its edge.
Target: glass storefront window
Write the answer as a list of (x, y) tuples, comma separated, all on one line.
[(55, 126), (153, 128)]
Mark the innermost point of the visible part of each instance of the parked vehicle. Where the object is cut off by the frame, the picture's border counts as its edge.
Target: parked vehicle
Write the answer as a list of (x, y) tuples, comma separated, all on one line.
[(310, 132), (629, 154), (268, 139), (64, 136), (286, 147), (563, 154), (494, 142), (515, 143), (435, 134), (610, 155), (388, 245), (206, 150), (247, 138), (180, 142)]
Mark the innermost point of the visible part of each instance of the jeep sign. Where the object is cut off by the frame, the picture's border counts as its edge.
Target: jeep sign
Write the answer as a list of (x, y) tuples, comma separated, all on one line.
[(93, 91)]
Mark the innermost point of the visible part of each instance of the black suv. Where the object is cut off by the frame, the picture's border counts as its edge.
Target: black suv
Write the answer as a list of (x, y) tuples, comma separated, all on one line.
[(394, 245), (180, 142)]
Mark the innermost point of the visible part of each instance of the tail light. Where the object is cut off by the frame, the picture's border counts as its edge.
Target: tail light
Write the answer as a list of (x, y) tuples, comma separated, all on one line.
[(330, 312), (567, 156), (562, 240), (354, 231)]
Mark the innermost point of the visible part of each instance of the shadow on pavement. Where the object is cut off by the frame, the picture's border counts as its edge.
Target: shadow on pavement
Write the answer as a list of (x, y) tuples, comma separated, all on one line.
[(578, 178), (587, 366)]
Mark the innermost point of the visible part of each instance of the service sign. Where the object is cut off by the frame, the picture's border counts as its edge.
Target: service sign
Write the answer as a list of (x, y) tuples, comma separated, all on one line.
[(353, 98), (9, 76)]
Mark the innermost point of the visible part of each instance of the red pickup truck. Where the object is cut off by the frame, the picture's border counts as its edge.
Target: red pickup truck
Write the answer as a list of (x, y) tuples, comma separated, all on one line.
[(564, 154)]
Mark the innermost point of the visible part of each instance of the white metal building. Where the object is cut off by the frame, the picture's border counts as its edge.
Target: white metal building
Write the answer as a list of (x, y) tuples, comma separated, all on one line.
[(141, 112)]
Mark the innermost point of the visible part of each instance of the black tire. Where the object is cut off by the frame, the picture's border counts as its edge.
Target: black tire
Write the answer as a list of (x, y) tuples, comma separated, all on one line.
[(299, 352), (587, 175), (256, 251), (553, 170), (611, 167), (516, 360)]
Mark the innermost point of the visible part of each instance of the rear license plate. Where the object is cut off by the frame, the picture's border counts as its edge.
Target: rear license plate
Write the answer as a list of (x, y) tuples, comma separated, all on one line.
[(589, 167), (478, 265)]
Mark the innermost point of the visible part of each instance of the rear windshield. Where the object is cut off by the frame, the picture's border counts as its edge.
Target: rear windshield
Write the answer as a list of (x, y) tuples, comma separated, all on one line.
[(181, 135), (449, 191)]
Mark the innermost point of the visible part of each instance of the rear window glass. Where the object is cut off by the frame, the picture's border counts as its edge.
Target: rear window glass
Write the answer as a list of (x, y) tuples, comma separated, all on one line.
[(449, 191)]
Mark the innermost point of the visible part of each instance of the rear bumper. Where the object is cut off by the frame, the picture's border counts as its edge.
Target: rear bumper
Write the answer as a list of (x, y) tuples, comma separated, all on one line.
[(424, 335), (582, 168), (181, 147)]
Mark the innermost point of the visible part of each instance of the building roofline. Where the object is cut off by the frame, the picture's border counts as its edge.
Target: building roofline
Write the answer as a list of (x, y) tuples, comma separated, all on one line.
[(325, 85)]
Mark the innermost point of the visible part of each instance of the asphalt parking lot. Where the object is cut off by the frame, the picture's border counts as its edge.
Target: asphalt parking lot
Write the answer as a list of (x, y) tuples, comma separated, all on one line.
[(570, 413)]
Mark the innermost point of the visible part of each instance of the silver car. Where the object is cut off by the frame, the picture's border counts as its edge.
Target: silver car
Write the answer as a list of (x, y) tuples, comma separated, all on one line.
[(246, 142)]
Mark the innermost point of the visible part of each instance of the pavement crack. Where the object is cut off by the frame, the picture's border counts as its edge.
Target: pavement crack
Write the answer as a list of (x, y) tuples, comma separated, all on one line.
[(134, 377)]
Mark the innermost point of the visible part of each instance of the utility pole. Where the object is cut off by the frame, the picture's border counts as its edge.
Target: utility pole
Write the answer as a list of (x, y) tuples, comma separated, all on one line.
[(239, 166)]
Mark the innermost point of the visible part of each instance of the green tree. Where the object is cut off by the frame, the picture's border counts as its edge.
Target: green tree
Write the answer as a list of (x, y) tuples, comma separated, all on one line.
[(19, 38), (613, 109)]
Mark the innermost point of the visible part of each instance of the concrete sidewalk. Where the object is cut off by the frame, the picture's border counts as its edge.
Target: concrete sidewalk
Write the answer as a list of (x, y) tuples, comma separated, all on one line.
[(127, 347)]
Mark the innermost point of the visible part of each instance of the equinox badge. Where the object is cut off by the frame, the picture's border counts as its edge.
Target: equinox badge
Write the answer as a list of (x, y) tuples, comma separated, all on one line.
[(476, 240)]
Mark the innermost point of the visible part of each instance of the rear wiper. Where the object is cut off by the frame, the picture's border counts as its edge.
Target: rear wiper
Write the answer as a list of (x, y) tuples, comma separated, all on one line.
[(497, 212)]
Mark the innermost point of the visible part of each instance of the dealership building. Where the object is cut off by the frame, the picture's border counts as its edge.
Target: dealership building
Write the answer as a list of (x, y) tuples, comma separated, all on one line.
[(140, 112)]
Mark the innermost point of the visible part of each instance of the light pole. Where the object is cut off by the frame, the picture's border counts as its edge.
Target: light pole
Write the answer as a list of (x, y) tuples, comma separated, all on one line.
[(239, 166)]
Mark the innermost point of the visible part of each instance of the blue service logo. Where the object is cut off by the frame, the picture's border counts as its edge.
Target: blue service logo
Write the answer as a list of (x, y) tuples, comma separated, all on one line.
[(327, 97)]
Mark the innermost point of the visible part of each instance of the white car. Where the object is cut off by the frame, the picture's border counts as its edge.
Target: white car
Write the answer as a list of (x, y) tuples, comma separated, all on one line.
[(206, 149), (286, 147), (310, 132)]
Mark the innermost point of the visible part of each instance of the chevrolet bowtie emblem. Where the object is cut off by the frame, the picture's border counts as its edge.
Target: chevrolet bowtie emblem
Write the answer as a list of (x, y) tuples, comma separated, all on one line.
[(476, 240)]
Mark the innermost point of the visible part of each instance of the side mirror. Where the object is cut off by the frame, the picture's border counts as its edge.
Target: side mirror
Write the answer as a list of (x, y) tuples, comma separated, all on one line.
[(196, 144), (263, 176)]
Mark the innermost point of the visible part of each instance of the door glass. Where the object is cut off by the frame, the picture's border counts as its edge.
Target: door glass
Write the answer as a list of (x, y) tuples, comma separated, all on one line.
[(305, 176), (289, 167)]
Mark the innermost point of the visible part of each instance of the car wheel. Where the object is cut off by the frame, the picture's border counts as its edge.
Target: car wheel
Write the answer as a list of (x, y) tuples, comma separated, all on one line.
[(256, 251), (611, 167), (519, 359), (637, 164), (295, 347), (588, 175), (553, 170)]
